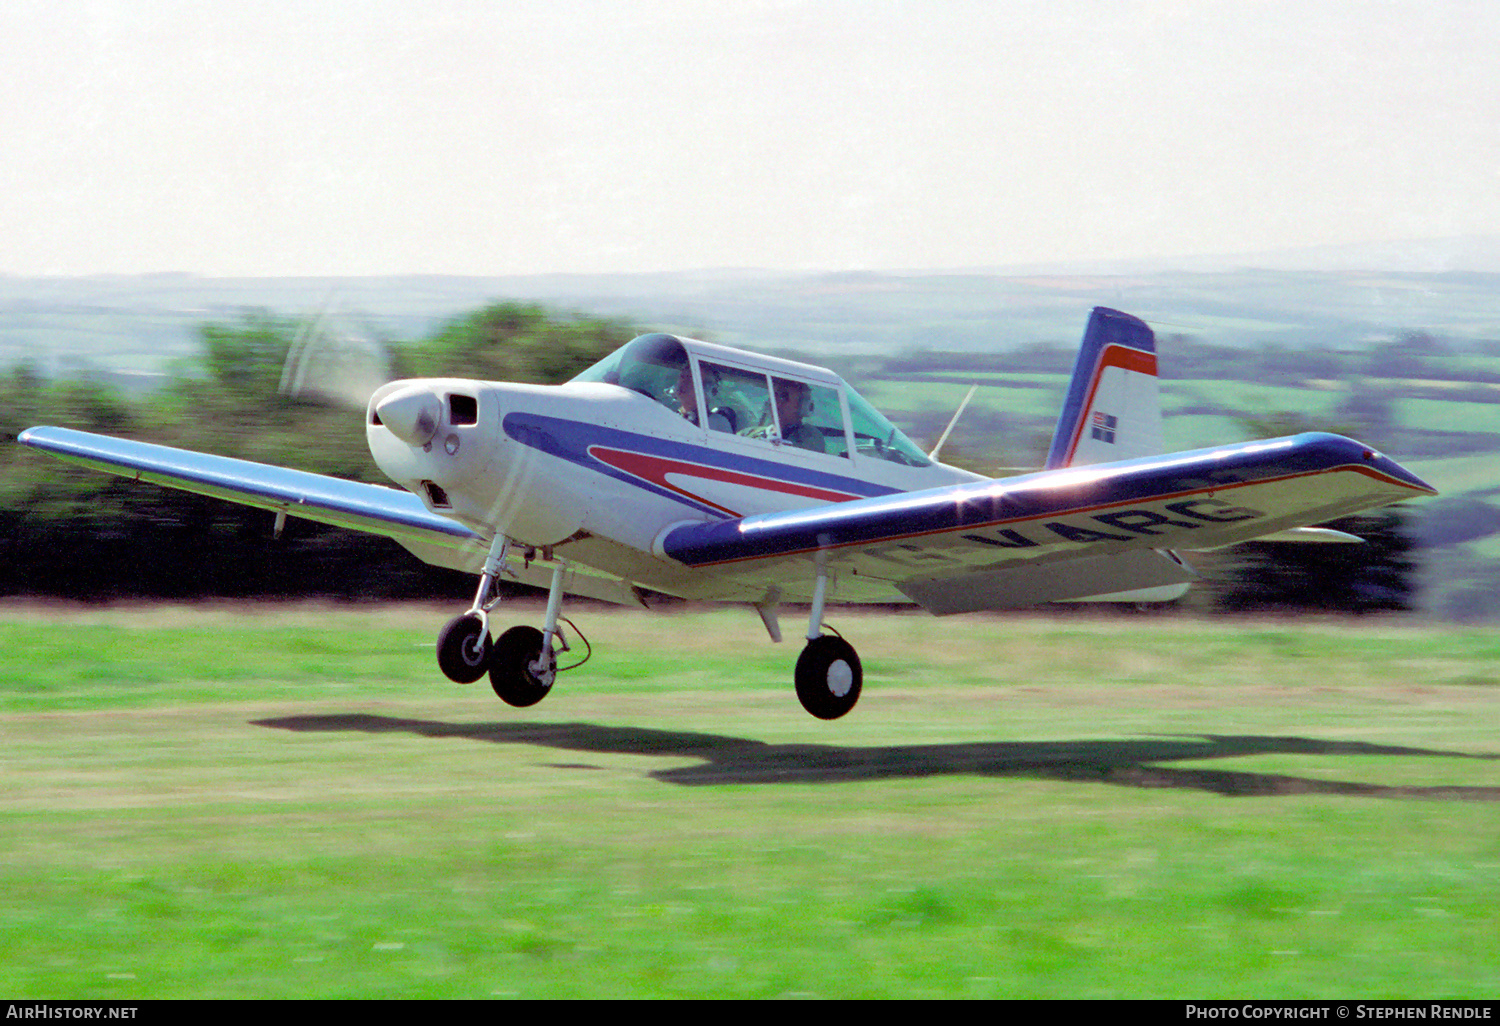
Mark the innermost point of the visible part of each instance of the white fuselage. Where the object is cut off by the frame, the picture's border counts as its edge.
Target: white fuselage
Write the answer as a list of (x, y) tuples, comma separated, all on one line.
[(598, 472)]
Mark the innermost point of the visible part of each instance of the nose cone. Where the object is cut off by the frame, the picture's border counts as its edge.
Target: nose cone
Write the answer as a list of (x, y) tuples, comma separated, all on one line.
[(411, 414)]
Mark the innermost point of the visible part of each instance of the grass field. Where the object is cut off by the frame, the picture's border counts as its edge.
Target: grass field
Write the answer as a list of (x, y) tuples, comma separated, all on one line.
[(286, 801)]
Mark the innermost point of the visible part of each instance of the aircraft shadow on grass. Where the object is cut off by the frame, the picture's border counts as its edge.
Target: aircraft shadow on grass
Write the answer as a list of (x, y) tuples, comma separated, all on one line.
[(1129, 763)]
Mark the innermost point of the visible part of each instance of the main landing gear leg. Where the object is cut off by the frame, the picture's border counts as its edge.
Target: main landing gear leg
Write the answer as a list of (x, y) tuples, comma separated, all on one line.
[(463, 646), (523, 665), (828, 674)]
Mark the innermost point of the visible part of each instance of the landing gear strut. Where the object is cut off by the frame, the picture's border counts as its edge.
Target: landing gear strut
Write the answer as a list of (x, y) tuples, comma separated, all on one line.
[(463, 645), (523, 665), (828, 675), (522, 662)]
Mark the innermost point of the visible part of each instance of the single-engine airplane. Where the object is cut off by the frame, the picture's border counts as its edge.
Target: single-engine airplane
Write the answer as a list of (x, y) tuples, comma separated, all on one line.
[(680, 467)]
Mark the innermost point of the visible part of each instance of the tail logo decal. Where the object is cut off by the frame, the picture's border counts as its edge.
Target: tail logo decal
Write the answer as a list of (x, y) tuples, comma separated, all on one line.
[(1104, 427)]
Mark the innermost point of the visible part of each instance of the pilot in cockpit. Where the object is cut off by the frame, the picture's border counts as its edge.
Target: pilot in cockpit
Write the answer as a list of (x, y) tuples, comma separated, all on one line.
[(794, 404)]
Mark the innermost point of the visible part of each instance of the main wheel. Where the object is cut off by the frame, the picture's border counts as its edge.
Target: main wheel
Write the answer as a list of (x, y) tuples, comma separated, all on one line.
[(828, 677), (510, 667), (463, 649)]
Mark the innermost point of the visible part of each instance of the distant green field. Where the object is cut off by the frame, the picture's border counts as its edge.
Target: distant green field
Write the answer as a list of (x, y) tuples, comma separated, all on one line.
[(1042, 399), (1247, 398), (998, 379), (1461, 474), (287, 802), (1470, 364), (1449, 416), (898, 397), (1199, 431)]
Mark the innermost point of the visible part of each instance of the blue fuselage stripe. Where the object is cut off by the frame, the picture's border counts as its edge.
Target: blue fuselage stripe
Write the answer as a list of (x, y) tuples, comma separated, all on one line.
[(571, 440)]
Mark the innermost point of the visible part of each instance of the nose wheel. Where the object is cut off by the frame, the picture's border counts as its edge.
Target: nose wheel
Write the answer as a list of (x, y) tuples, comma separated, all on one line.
[(463, 648), (463, 645)]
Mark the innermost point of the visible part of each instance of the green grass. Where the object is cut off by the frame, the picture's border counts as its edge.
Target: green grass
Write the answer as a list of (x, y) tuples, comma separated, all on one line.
[(288, 802)]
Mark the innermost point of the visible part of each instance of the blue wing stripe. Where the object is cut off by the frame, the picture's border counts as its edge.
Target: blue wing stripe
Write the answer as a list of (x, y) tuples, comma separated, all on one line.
[(1045, 494), (364, 507)]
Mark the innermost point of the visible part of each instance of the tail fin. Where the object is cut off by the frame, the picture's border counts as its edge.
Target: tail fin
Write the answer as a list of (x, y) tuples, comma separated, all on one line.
[(1113, 409)]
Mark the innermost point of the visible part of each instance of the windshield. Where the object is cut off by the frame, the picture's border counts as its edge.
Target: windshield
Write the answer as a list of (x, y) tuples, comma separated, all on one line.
[(649, 364), (875, 436)]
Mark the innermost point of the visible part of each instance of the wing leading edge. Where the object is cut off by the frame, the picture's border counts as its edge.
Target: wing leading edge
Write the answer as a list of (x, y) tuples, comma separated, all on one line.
[(1015, 541), (374, 509)]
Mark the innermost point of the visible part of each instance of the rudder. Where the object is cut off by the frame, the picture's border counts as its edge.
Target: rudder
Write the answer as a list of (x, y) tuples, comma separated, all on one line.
[(1113, 408)]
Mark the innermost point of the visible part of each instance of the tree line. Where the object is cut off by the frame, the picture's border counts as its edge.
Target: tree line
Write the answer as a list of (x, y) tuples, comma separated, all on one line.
[(70, 532)]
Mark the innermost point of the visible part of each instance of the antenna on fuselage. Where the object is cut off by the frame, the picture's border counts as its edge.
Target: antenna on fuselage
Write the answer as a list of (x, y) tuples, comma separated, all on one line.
[(949, 429)]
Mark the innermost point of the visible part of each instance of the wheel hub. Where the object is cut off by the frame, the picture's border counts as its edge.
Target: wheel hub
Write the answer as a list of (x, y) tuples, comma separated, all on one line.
[(840, 678)]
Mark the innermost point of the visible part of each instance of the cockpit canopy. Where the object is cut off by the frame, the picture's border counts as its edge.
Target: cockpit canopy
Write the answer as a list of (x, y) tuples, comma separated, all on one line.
[(753, 396), (649, 364)]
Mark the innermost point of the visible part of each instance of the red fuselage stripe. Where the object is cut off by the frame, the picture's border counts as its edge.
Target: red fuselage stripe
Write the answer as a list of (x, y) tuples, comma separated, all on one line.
[(654, 469)]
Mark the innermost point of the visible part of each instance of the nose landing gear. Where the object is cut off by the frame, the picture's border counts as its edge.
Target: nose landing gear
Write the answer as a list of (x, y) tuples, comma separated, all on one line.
[(463, 645), (522, 662), (463, 648)]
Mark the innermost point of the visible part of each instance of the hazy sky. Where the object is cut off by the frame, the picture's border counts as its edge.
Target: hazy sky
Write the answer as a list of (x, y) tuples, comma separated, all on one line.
[(463, 136)]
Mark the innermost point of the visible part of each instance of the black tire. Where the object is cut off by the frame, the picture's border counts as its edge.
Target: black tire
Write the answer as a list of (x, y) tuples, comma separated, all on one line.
[(463, 649), (828, 677), (510, 667)]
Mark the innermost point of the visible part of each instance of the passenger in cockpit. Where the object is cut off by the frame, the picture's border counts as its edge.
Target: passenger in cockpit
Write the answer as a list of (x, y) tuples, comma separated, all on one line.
[(793, 404), (687, 400)]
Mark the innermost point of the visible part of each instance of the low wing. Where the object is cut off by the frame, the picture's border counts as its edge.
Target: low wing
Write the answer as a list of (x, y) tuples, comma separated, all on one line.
[(373, 509), (364, 507), (1057, 534)]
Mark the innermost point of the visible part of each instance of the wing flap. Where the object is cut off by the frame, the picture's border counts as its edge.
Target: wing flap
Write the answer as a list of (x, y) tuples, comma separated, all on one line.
[(1026, 584), (373, 509)]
